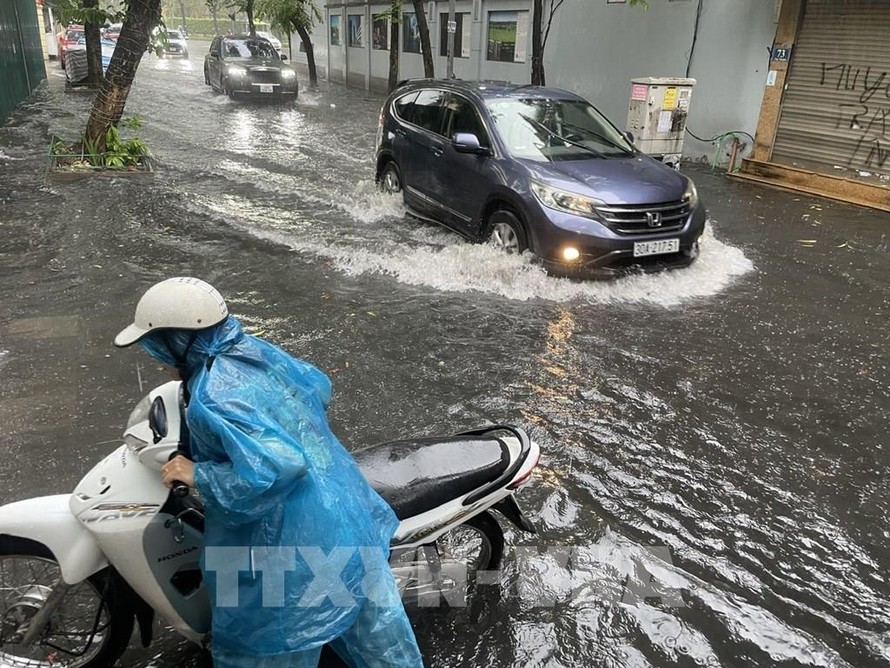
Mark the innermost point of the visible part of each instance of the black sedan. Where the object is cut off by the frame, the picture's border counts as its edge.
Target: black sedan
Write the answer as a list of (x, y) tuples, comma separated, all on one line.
[(242, 64)]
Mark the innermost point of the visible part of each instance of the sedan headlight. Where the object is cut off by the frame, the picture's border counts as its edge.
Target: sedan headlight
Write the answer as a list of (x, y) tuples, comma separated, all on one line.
[(691, 194), (236, 71), (563, 200)]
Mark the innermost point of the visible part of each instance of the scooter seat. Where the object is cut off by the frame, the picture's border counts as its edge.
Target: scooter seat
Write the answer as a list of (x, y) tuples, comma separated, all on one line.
[(418, 475)]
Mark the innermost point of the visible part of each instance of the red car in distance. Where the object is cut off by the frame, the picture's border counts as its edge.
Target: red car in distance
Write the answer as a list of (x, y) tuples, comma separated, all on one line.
[(112, 32), (66, 38)]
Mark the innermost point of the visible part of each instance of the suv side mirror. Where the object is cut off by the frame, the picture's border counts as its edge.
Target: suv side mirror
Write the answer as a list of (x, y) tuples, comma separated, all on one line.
[(629, 136), (283, 57), (465, 142)]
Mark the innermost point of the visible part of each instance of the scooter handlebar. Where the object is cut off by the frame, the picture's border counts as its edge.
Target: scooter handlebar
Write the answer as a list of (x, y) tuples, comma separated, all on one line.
[(179, 488)]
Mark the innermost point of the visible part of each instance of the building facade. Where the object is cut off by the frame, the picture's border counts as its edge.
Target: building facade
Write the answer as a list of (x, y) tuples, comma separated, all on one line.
[(595, 48)]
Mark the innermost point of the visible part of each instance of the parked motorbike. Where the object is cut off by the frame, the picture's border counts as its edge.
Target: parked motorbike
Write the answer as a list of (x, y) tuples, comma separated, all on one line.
[(77, 571)]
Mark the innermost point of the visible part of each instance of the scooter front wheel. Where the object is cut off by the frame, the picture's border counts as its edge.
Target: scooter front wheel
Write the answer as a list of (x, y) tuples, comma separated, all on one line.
[(90, 628)]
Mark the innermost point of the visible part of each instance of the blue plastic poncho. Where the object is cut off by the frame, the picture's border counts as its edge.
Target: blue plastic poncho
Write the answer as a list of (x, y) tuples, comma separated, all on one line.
[(299, 524)]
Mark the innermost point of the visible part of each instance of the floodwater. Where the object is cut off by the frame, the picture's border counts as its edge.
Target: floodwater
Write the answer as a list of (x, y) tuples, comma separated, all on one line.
[(714, 484)]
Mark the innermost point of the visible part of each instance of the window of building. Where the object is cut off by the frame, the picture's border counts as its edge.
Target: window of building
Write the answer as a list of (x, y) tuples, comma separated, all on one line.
[(335, 29), (379, 32), (410, 33), (461, 35), (355, 24), (507, 36)]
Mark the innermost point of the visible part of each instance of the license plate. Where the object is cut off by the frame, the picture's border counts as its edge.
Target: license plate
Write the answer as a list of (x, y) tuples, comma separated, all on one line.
[(267, 88), (660, 247)]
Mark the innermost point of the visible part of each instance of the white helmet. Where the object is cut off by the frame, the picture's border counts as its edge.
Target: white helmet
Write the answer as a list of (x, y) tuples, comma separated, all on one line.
[(177, 303)]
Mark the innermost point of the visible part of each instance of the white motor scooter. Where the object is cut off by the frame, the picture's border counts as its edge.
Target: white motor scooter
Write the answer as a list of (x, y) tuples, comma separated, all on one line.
[(77, 569)]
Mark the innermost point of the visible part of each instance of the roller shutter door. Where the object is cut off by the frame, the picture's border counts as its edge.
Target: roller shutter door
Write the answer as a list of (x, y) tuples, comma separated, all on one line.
[(836, 107)]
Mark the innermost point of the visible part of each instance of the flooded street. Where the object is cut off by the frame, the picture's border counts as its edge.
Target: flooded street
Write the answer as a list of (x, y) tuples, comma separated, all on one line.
[(714, 483)]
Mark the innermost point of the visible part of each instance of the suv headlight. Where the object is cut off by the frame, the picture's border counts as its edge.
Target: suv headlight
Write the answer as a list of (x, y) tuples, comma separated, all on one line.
[(691, 194), (288, 74), (236, 70), (563, 200)]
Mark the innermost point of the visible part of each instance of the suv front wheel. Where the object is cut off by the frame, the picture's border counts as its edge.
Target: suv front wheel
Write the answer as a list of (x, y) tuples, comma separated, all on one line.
[(391, 179), (506, 232)]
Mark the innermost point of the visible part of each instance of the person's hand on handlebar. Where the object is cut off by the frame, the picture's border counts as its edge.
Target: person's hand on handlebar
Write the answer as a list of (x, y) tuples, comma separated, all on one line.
[(178, 469)]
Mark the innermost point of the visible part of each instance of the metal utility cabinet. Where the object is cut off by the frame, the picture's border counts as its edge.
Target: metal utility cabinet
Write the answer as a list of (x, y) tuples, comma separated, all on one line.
[(657, 115)]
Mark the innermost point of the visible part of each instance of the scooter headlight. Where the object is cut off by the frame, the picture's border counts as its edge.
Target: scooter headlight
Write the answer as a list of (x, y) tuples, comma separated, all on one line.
[(138, 417), (140, 413), (135, 443)]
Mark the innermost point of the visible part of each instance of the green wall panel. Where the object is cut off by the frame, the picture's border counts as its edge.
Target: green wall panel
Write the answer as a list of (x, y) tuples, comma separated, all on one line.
[(21, 53)]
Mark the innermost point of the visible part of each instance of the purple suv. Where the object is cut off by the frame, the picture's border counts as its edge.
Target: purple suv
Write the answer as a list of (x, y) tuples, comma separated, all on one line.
[(528, 167)]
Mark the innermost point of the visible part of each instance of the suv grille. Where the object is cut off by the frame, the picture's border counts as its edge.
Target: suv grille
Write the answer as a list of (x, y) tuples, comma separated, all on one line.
[(265, 76), (645, 219)]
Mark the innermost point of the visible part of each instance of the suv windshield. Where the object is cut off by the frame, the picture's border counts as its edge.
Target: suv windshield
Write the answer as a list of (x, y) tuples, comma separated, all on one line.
[(547, 130), (249, 49), (172, 34)]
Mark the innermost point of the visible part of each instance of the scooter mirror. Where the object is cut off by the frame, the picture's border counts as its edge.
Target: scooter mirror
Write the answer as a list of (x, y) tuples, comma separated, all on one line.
[(157, 419)]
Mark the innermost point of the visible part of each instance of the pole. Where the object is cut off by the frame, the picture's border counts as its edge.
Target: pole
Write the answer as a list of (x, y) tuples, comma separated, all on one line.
[(452, 28)]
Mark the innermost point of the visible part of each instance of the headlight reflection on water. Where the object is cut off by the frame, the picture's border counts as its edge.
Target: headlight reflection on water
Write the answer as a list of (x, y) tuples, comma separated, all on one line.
[(243, 129)]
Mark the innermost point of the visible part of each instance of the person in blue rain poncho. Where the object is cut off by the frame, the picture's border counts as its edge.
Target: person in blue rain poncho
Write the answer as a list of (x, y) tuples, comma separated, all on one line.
[(296, 541)]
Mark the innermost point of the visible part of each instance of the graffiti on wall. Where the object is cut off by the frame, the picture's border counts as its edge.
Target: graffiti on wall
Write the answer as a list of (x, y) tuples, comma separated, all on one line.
[(864, 110)]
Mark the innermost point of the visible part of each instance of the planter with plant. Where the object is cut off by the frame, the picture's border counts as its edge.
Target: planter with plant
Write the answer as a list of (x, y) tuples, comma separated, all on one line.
[(121, 157)]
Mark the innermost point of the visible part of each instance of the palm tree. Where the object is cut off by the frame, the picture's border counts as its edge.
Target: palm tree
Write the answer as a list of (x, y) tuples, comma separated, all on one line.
[(246, 6), (294, 16), (425, 48), (140, 18), (395, 13)]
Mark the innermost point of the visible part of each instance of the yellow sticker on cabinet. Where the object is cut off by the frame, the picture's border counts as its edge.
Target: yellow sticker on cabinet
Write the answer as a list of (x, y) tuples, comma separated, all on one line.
[(670, 98)]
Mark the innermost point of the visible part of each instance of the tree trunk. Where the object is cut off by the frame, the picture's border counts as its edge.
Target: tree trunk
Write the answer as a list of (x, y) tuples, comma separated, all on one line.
[(310, 53), (393, 54), (94, 47), (185, 25), (537, 43), (141, 17), (425, 48), (248, 8), (214, 11)]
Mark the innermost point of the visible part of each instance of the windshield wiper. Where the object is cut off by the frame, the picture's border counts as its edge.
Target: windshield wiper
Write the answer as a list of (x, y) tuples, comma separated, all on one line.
[(532, 121), (610, 142)]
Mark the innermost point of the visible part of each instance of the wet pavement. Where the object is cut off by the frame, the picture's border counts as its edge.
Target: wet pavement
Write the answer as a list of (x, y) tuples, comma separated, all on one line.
[(714, 486)]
